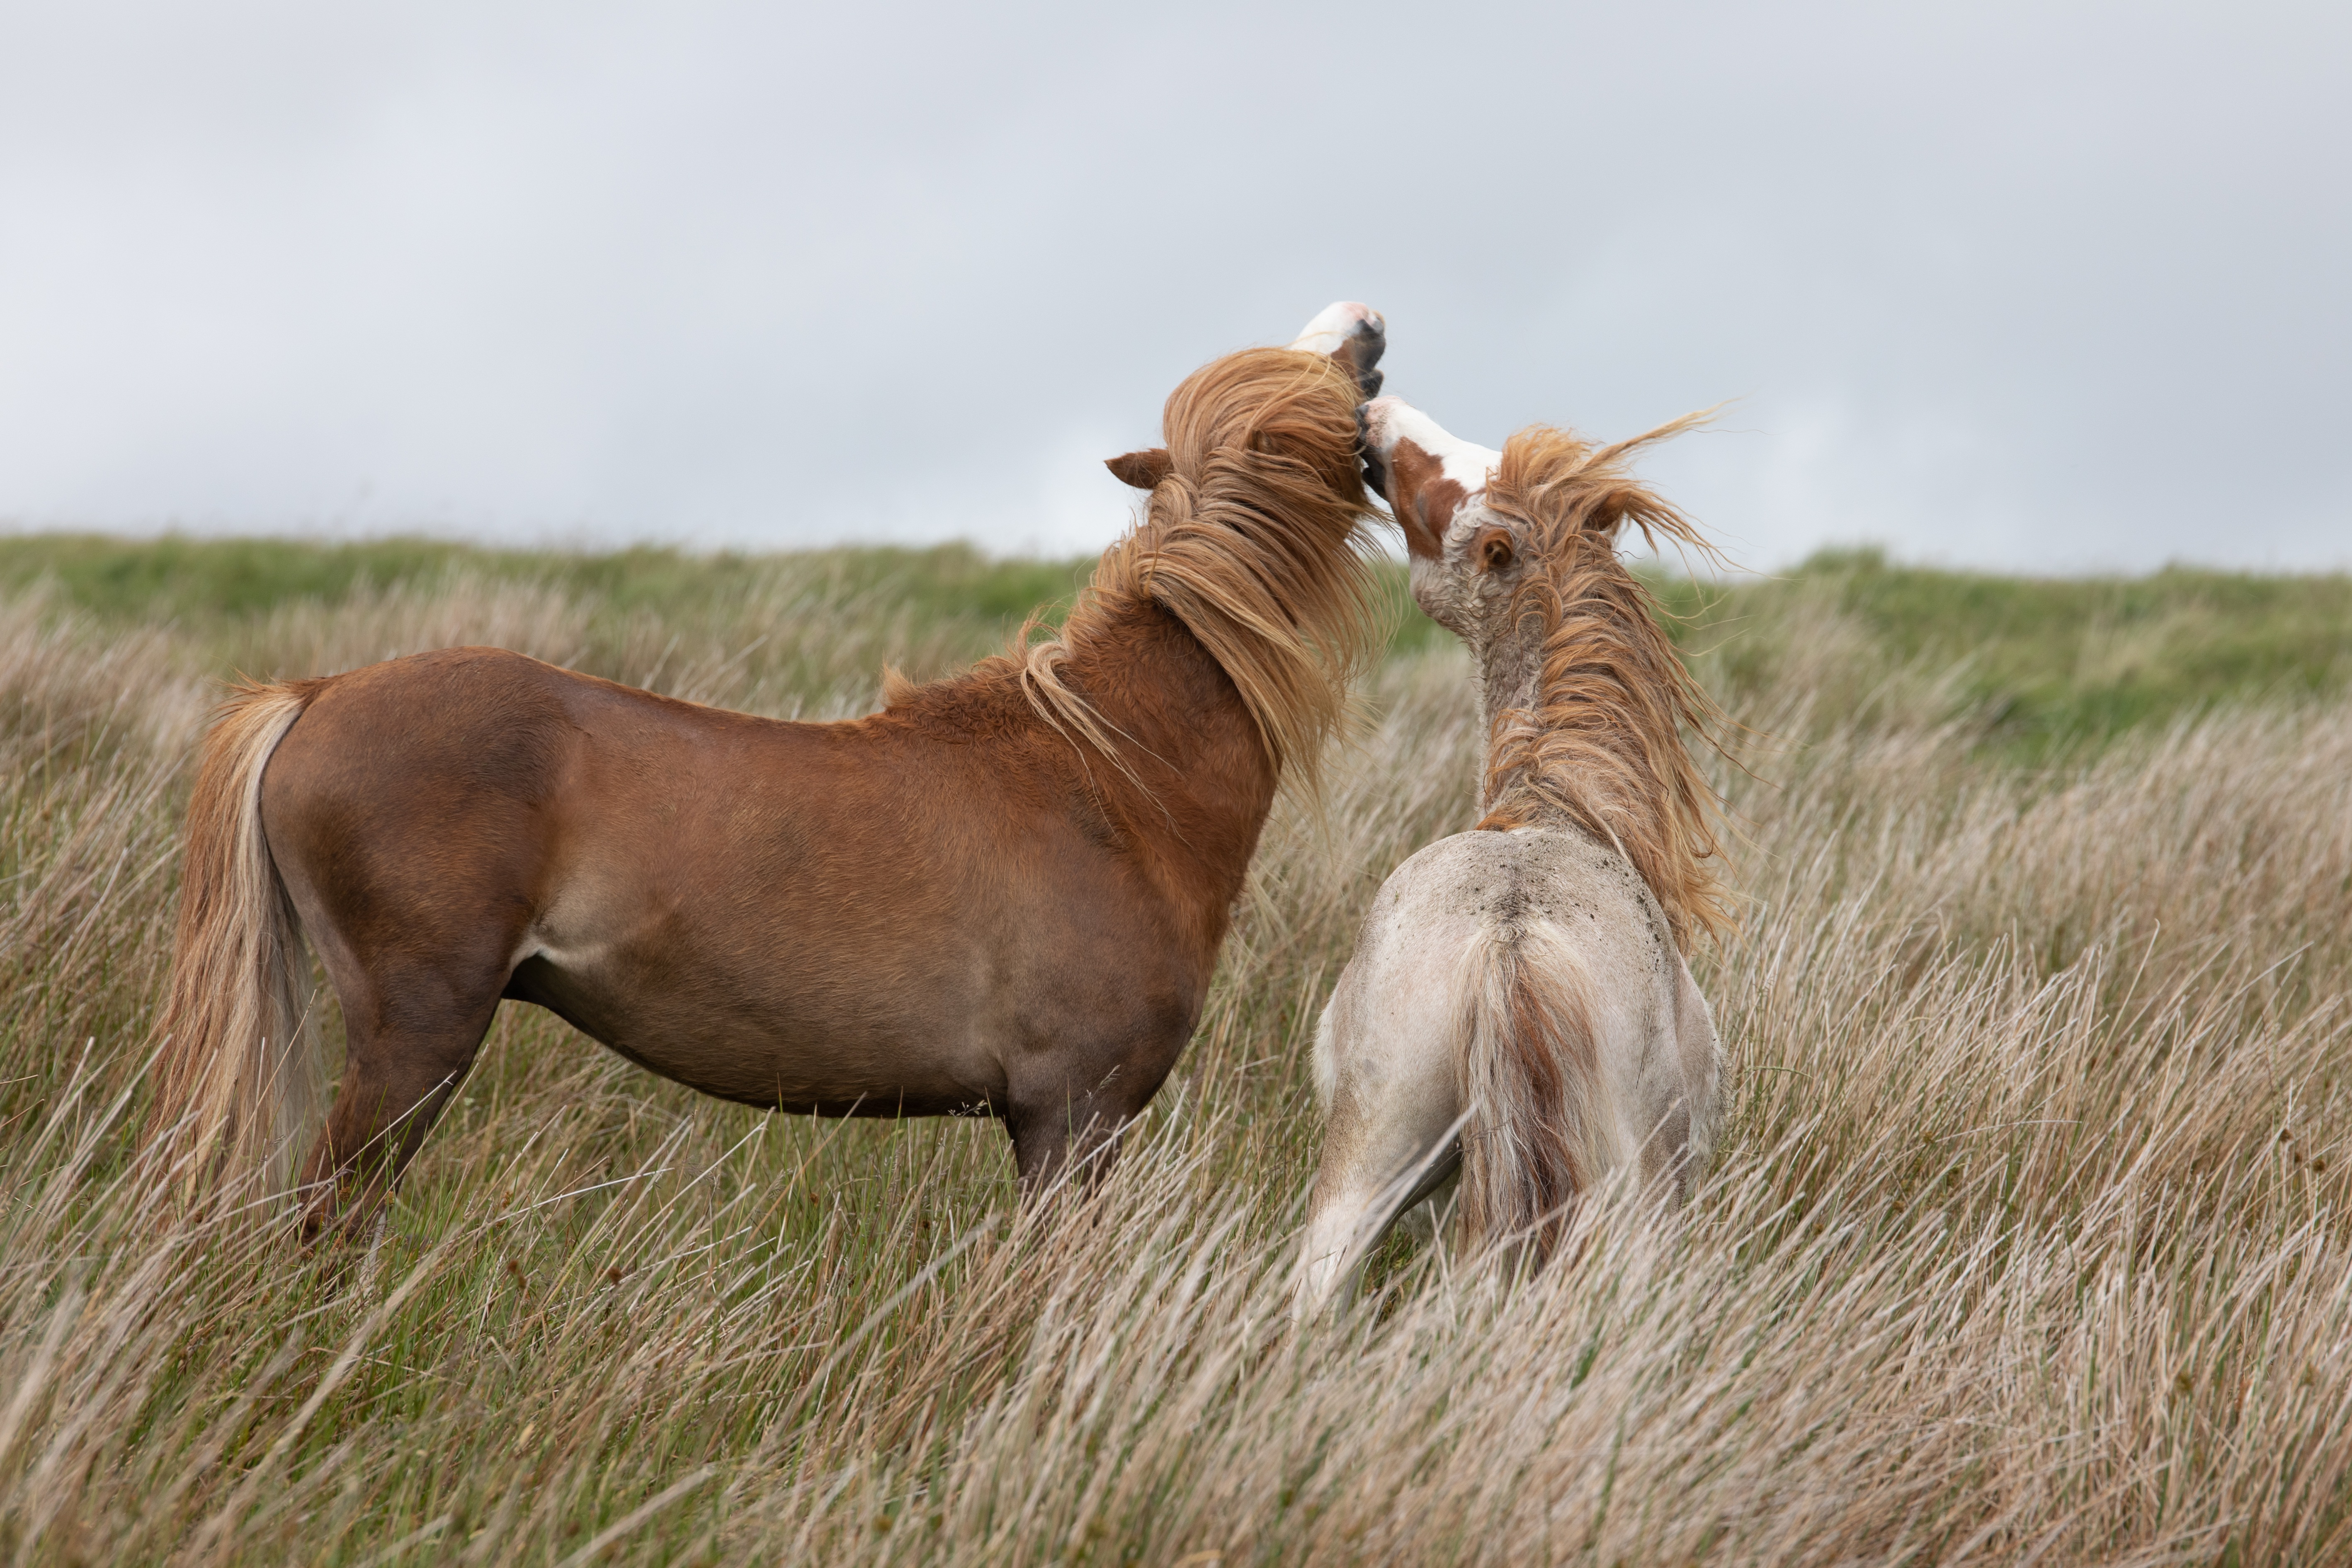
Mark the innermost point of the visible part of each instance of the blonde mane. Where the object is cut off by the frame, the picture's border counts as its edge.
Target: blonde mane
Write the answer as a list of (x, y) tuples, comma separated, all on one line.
[(1252, 541), (1603, 743)]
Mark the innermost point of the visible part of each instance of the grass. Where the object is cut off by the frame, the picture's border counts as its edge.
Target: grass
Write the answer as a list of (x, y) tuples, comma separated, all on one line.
[(2027, 1235), (2039, 664), (207, 583)]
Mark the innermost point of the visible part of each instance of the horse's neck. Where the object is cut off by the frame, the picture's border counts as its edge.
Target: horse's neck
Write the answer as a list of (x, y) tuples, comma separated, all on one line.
[(1509, 671), (1206, 782)]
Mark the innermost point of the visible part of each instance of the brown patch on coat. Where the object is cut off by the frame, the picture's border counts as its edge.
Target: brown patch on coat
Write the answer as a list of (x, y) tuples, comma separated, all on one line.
[(1423, 496)]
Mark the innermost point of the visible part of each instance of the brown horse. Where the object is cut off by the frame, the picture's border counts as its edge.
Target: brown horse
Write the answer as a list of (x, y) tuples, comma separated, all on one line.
[(1001, 895)]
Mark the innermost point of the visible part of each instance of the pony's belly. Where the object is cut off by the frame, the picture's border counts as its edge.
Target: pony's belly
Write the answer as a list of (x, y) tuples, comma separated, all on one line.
[(878, 1056)]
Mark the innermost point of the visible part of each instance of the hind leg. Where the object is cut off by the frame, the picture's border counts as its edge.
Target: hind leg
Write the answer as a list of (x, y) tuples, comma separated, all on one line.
[(419, 972), (1387, 1144), (410, 815), (414, 1032)]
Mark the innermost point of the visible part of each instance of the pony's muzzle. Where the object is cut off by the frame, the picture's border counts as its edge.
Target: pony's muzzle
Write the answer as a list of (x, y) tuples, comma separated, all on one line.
[(1353, 333)]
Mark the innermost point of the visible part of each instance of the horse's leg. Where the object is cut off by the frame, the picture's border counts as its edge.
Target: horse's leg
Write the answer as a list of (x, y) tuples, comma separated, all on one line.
[(414, 1017), (1387, 1146), (1077, 1134), (1068, 1120), (1041, 1145)]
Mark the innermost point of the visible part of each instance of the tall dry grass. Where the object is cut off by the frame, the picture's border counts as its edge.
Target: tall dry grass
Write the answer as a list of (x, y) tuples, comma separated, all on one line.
[(2027, 1239)]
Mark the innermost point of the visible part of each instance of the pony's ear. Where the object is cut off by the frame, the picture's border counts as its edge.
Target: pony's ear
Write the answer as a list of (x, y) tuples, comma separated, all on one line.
[(1420, 493), (1609, 511), (1143, 469), (1492, 548)]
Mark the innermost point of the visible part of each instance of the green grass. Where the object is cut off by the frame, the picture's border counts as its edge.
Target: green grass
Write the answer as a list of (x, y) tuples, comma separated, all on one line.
[(2040, 664), (205, 583), (2037, 664)]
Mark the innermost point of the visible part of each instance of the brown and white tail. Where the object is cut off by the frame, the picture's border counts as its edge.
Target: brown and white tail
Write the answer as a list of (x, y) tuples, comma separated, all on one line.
[(239, 1068), (1525, 1056)]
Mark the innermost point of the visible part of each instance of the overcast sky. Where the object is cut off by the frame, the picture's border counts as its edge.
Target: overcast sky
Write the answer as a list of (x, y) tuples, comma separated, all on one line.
[(2035, 287)]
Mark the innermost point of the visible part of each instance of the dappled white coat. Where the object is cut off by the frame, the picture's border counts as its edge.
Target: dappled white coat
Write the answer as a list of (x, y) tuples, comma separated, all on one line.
[(1504, 982)]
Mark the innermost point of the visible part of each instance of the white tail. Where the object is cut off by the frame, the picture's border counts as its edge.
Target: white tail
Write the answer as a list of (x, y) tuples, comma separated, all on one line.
[(240, 1068), (1526, 1058)]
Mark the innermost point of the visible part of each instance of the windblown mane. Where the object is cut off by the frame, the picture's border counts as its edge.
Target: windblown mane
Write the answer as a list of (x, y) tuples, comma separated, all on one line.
[(1604, 742), (1252, 541)]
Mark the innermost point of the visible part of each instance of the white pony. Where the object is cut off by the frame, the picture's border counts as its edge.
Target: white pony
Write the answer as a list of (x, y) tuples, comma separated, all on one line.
[(1517, 1017)]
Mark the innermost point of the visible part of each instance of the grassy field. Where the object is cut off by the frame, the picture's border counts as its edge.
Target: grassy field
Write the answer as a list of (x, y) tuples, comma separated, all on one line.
[(2027, 1240)]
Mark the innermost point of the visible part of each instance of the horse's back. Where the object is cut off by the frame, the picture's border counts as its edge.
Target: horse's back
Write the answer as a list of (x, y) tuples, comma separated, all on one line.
[(477, 774), (535, 775)]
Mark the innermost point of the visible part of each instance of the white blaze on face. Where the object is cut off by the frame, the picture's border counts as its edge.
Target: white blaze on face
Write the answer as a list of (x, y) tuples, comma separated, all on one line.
[(1336, 325), (1432, 477)]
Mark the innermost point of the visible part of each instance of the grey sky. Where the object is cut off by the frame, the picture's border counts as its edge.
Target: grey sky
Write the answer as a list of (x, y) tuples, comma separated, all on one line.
[(2036, 287)]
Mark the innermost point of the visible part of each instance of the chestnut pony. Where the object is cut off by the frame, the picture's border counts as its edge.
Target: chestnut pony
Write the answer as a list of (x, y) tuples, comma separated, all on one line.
[(1001, 895)]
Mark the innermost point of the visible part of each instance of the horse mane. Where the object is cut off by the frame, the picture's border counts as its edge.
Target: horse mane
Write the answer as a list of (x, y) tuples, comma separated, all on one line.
[(1252, 541), (1604, 742)]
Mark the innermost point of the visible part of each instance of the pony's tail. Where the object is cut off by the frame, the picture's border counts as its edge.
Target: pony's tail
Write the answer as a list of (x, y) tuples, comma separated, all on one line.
[(1525, 1058), (239, 1063)]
